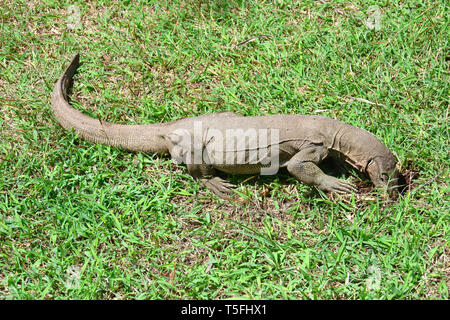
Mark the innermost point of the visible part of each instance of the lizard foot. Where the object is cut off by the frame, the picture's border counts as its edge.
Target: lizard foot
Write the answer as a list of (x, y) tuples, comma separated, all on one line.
[(333, 184), (218, 186)]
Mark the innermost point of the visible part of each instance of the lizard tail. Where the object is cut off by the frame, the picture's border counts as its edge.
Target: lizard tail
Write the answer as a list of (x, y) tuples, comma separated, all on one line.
[(144, 138)]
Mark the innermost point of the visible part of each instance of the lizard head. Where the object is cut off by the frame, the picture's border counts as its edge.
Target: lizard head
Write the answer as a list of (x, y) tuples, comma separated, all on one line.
[(384, 174)]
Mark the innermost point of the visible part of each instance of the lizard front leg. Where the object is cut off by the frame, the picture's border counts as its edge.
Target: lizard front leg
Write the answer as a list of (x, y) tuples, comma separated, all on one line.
[(303, 166)]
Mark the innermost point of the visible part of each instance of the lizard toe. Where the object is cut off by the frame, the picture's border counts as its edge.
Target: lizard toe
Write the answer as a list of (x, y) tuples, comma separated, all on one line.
[(218, 186), (347, 187), (338, 186)]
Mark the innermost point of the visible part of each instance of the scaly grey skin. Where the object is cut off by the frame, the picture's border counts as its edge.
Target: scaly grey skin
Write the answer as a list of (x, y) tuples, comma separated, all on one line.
[(302, 143)]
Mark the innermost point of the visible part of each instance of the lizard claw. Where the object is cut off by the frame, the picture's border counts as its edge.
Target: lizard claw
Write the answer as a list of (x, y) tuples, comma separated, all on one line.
[(337, 185), (218, 186)]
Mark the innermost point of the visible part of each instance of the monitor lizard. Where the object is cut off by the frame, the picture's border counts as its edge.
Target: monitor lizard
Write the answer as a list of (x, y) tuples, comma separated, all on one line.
[(236, 144)]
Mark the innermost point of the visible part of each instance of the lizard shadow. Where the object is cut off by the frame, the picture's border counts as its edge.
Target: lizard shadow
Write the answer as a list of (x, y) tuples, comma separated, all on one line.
[(330, 166)]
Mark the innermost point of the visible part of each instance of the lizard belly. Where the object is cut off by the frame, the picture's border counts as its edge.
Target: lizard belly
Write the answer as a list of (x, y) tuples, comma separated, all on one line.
[(239, 168), (248, 165)]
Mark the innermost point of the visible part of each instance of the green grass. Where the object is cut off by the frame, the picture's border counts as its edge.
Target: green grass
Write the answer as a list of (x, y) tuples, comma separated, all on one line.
[(92, 222)]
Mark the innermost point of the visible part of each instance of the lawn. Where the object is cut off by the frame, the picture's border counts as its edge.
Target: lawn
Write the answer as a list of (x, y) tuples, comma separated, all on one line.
[(84, 221)]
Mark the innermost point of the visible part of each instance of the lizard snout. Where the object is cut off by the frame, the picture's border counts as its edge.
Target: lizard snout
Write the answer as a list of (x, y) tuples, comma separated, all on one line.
[(384, 175)]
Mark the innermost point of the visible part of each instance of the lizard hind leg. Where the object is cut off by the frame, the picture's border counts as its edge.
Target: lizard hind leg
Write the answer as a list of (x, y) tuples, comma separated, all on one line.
[(304, 167), (205, 173)]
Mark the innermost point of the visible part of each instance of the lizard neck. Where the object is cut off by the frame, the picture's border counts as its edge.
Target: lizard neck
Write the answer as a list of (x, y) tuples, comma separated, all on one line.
[(356, 146)]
